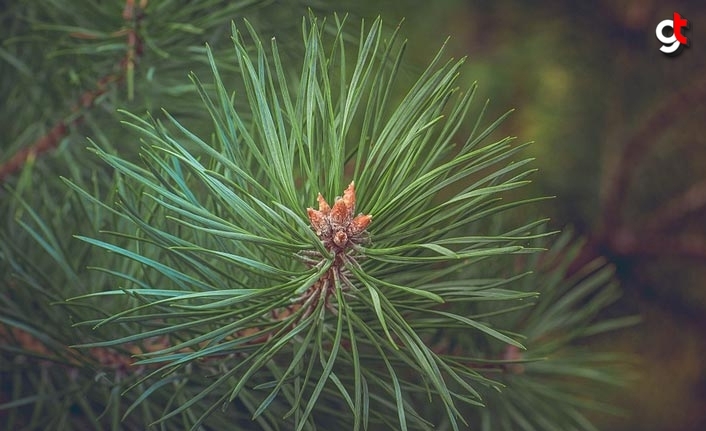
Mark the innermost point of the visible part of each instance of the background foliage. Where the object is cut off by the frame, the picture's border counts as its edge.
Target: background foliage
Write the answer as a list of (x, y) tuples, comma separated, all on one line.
[(601, 100)]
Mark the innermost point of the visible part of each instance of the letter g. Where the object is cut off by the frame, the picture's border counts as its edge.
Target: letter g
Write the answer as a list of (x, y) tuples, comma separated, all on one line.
[(669, 43)]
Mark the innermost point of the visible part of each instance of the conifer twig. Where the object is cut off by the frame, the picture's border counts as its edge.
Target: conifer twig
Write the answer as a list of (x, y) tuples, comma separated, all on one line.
[(133, 17), (45, 143)]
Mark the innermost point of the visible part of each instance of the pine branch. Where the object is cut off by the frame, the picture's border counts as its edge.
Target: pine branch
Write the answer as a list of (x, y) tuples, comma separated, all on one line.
[(317, 304), (218, 297), (133, 17), (46, 143)]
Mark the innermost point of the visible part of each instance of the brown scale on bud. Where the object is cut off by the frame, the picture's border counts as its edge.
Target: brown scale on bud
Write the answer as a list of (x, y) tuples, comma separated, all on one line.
[(336, 226), (340, 238)]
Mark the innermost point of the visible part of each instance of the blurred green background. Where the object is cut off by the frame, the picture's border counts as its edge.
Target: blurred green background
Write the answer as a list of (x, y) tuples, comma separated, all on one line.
[(619, 130)]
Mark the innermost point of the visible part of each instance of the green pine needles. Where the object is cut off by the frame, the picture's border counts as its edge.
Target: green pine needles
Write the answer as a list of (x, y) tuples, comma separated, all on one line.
[(330, 257)]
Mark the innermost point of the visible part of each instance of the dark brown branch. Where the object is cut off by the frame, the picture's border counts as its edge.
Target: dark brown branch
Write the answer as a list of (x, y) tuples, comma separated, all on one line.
[(674, 212), (645, 244), (611, 238), (42, 145), (639, 145)]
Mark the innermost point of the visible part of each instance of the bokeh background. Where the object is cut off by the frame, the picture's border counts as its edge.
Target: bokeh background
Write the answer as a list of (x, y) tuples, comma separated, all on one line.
[(620, 133)]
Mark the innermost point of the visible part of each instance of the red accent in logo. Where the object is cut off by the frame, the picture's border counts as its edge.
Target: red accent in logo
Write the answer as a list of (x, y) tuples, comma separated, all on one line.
[(680, 23)]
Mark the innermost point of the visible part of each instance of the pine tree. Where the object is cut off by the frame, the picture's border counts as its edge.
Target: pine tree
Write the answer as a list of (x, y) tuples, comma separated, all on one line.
[(302, 238)]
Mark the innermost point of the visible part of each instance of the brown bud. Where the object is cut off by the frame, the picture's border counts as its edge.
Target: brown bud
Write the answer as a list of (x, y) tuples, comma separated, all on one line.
[(340, 213), (323, 205), (349, 197), (360, 223), (336, 225), (317, 219)]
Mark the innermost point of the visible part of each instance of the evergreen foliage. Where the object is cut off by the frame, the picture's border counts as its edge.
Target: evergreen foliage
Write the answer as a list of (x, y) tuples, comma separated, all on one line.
[(218, 297)]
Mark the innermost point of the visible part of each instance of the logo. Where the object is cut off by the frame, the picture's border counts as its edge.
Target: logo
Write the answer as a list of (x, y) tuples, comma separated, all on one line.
[(673, 44)]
